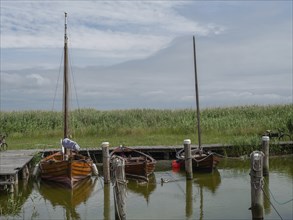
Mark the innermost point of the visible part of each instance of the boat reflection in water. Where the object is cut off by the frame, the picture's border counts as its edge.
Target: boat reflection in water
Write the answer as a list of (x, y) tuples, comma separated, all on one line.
[(204, 182), (209, 181), (69, 199), (144, 188)]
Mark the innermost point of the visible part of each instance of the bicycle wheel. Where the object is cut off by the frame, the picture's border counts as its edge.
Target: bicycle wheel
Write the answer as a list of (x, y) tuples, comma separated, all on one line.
[(285, 137), (4, 146)]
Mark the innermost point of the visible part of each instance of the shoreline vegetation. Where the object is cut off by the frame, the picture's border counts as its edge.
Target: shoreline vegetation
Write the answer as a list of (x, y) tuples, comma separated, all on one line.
[(240, 126)]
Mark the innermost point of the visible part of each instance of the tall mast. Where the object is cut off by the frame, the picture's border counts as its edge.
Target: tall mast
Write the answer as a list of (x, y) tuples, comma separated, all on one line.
[(65, 78), (197, 98)]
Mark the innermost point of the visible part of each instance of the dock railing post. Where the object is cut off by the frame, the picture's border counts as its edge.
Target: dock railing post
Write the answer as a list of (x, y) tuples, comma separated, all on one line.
[(188, 159), (106, 162), (256, 182), (266, 151)]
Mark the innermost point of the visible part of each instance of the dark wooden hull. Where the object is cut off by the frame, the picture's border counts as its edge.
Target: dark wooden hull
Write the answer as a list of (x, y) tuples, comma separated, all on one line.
[(67, 172), (137, 164), (204, 162)]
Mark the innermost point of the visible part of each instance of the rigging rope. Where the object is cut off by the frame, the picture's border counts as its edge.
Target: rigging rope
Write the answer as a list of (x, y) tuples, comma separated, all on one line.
[(73, 81), (56, 88)]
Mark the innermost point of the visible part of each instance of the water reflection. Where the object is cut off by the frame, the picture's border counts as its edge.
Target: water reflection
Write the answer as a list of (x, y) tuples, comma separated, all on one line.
[(208, 182), (144, 189), (107, 199), (12, 203), (266, 196), (203, 197), (67, 198), (188, 199)]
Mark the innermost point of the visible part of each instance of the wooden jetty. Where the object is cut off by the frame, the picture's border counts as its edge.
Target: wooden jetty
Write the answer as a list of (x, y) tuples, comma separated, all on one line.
[(166, 152), (14, 164)]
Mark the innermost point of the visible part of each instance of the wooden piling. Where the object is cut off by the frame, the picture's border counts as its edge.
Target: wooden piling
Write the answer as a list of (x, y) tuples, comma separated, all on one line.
[(119, 186), (188, 199), (256, 181), (266, 151), (106, 162), (267, 195), (188, 159), (25, 172), (107, 209)]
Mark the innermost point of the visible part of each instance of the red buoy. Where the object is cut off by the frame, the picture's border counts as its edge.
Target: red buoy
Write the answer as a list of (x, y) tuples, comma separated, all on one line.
[(175, 164)]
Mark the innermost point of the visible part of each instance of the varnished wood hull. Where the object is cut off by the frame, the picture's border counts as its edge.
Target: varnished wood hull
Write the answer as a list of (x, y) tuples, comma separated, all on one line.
[(67, 172), (205, 162), (137, 164), (143, 169)]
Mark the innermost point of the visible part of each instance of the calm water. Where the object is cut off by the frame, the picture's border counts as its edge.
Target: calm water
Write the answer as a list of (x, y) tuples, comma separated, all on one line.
[(224, 194)]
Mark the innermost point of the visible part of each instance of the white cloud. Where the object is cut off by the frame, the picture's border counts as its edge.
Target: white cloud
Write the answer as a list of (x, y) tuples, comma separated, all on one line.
[(244, 54), (38, 80), (125, 25)]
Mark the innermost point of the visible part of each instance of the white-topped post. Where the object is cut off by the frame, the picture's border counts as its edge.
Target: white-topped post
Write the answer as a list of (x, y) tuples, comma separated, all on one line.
[(266, 151), (188, 159), (106, 162), (256, 182)]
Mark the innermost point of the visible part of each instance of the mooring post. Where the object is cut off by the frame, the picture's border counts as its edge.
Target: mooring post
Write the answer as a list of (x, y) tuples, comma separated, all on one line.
[(188, 199), (188, 159), (266, 151), (106, 162), (256, 182), (107, 200), (119, 186), (267, 195)]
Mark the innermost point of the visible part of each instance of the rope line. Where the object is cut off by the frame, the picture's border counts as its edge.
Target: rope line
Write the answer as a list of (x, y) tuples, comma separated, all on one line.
[(280, 203), (198, 161), (271, 203)]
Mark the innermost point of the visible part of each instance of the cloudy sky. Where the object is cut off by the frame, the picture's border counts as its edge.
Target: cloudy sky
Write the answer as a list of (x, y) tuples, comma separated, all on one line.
[(138, 54)]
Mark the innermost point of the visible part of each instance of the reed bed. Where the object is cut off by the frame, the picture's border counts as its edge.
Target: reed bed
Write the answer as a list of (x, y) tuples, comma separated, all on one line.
[(234, 125)]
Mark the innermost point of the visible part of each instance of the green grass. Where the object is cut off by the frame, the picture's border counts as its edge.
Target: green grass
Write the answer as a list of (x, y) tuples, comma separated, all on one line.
[(141, 127)]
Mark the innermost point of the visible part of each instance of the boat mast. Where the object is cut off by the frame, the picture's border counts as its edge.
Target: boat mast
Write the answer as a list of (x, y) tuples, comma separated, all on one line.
[(65, 77), (197, 98)]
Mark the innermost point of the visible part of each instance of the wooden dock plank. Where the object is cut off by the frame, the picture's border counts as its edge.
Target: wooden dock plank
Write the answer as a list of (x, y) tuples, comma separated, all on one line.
[(12, 161)]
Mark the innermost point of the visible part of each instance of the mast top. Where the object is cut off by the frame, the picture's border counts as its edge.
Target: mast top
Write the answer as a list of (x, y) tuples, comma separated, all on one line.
[(65, 28), (197, 96)]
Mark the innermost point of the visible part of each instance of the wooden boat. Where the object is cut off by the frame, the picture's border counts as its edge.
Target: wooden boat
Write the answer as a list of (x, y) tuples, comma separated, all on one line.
[(66, 171), (201, 160), (138, 165), (67, 166)]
